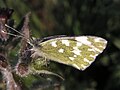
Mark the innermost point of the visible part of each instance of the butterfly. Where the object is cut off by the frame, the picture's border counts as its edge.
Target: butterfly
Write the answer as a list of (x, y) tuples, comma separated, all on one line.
[(77, 51)]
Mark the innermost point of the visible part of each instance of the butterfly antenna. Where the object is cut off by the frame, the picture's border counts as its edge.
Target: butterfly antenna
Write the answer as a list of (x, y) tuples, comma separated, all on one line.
[(28, 41), (14, 35), (14, 29), (21, 35)]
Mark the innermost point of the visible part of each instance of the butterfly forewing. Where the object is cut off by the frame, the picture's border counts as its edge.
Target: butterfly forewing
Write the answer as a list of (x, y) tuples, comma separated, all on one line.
[(78, 52)]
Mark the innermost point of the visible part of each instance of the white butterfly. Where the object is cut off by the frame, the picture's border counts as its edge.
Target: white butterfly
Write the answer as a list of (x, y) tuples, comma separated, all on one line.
[(78, 51)]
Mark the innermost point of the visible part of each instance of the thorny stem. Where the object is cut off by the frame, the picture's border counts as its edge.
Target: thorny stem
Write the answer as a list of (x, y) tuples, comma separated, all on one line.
[(10, 83), (5, 69)]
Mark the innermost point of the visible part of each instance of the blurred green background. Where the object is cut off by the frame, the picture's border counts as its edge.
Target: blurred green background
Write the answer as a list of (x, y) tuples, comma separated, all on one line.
[(78, 17)]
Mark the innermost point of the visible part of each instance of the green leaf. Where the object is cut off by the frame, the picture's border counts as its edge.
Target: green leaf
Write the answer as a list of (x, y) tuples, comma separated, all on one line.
[(39, 66)]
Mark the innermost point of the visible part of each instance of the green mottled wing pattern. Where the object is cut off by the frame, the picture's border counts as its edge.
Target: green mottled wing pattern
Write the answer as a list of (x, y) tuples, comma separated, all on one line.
[(79, 51)]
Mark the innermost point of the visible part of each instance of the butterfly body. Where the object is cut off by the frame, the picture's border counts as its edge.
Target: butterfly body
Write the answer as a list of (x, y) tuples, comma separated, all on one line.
[(78, 51)]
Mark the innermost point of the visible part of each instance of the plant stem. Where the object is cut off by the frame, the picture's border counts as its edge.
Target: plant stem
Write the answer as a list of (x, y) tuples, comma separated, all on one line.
[(10, 82)]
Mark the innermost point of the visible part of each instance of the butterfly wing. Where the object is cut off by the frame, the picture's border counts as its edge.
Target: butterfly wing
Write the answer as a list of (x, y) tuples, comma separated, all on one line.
[(78, 52)]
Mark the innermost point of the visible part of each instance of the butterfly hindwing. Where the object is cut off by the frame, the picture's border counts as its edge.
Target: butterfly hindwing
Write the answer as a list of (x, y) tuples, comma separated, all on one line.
[(79, 51)]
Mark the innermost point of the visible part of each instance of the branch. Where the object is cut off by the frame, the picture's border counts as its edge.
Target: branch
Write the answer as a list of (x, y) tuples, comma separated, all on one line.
[(7, 74)]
